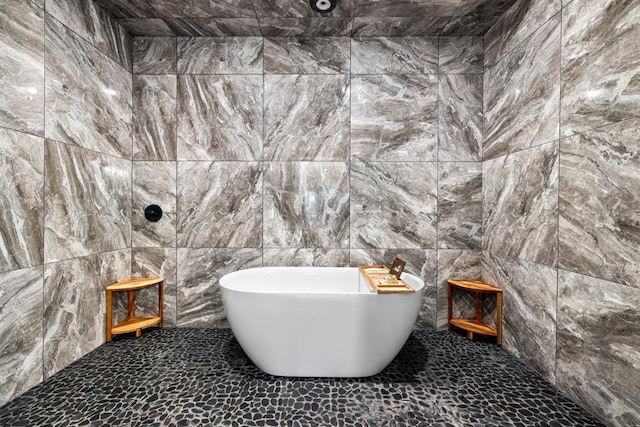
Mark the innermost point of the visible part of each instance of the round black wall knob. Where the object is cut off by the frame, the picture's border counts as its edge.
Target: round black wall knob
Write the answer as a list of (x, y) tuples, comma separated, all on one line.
[(153, 213), (323, 6)]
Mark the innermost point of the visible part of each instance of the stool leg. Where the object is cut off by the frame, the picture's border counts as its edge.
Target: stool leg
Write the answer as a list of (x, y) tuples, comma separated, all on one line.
[(470, 335), (160, 302), (131, 310), (499, 318), (109, 315), (449, 307), (479, 306)]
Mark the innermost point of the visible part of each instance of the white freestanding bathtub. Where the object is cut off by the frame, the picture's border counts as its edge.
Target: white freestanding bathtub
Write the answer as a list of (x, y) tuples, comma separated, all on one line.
[(317, 321)]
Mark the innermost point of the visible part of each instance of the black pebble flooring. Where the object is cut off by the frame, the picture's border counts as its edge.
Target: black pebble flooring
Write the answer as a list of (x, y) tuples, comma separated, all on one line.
[(184, 377)]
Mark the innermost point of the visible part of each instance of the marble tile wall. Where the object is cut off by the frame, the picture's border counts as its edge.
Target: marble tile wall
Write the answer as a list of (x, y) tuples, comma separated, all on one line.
[(561, 198), (305, 151), (65, 221)]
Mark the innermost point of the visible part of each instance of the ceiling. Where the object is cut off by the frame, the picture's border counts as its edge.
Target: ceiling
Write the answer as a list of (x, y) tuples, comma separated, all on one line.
[(286, 18)]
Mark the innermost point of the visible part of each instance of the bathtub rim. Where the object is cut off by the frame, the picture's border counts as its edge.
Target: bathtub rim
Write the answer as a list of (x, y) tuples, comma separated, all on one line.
[(414, 279)]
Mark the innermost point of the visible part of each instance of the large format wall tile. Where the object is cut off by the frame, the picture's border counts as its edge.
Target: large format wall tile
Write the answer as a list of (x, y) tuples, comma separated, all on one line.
[(518, 23), (21, 200), (214, 27), (220, 55), (460, 117), (220, 204), (199, 301), (394, 117), (461, 265), (305, 27), (600, 203), (220, 117), (306, 117), (529, 309), (154, 183), (21, 333), (459, 205), (598, 352), (306, 205), (85, 216), (522, 94), (520, 204), (306, 257), (154, 55), (94, 25), (398, 26), (420, 262), (600, 63), (317, 55), (393, 205), (22, 67), (156, 262), (392, 55), (88, 95), (154, 117), (460, 55), (75, 305)]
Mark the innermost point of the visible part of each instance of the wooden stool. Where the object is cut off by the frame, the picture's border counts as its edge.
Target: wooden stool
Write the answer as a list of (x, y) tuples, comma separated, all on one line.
[(476, 325), (133, 323)]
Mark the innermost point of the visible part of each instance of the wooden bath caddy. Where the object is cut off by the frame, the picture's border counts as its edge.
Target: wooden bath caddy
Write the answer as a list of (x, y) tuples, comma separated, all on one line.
[(376, 276)]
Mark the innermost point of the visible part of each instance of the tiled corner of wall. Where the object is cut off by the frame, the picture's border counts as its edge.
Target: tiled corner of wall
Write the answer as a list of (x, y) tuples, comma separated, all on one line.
[(598, 329)]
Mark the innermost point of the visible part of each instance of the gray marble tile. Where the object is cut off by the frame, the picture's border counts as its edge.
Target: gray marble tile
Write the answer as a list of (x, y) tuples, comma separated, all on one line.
[(85, 215), (393, 205), (600, 63), (22, 67), (96, 26), (154, 183), (305, 27), (317, 55), (384, 8), (306, 205), (306, 257), (411, 26), (460, 55), (599, 203), (220, 55), (460, 117), (420, 262), (528, 309), (154, 117), (459, 205), (517, 23), (154, 55), (148, 27), (469, 25), (306, 117), (88, 95), (220, 204), (598, 352), (214, 27), (181, 9), (462, 265), (21, 200), (156, 262), (520, 204), (21, 334), (199, 302), (393, 117), (220, 117), (75, 305), (299, 9), (522, 94), (393, 55)]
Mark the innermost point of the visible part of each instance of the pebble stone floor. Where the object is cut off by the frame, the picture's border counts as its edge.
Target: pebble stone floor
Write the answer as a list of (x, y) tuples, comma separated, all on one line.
[(183, 377)]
